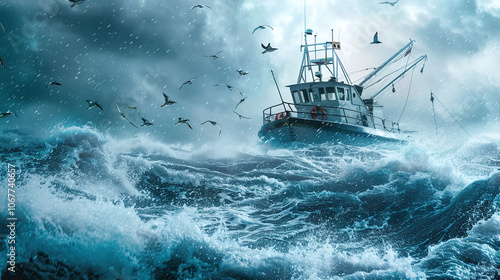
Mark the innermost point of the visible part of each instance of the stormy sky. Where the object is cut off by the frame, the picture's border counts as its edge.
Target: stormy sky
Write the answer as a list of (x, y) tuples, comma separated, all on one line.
[(132, 51)]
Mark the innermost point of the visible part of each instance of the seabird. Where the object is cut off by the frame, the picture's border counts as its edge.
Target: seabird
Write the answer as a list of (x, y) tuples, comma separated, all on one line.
[(268, 48), (240, 116), (390, 3), (76, 2), (123, 115), (3, 28), (168, 101), (135, 108), (241, 72), (9, 112), (215, 56), (214, 124), (146, 122), (241, 101), (229, 88), (190, 82), (375, 39), (181, 120), (94, 103), (200, 6), (262, 27), (52, 84), (2, 62)]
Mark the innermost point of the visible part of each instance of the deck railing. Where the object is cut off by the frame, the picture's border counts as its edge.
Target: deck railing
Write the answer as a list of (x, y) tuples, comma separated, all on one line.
[(287, 109)]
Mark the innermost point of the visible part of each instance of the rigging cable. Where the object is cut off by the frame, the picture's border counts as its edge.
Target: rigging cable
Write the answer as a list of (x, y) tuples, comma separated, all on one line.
[(434, 113), (432, 100), (408, 95), (451, 115)]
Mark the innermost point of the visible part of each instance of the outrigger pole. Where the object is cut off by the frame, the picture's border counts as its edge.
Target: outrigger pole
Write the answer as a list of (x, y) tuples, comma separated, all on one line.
[(386, 62)]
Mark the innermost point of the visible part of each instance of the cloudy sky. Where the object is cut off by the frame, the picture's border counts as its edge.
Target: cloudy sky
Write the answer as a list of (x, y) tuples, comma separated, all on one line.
[(134, 50)]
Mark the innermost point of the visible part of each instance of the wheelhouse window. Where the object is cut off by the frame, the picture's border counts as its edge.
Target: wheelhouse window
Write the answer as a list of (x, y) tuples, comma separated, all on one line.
[(341, 93), (305, 96), (296, 97), (330, 93), (322, 94)]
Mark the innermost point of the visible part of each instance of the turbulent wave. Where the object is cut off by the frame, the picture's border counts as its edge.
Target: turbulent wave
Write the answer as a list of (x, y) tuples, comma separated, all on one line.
[(92, 206)]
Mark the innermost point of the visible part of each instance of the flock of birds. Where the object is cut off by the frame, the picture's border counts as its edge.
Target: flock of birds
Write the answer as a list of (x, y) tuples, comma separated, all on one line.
[(168, 100)]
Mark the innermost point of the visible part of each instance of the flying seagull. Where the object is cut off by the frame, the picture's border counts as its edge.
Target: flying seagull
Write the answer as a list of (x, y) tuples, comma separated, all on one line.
[(262, 27), (375, 39), (94, 103), (2, 62), (146, 122), (200, 6), (76, 2), (133, 107), (168, 101), (390, 3), (214, 124), (215, 56), (241, 117), (241, 101), (229, 88), (181, 120), (268, 48), (190, 82), (241, 72), (52, 84), (9, 112), (123, 115)]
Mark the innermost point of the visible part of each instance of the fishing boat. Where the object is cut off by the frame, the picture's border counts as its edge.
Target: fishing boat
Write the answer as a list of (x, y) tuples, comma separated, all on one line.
[(328, 107)]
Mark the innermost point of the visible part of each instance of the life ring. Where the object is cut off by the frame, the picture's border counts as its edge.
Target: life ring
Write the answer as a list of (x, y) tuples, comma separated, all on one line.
[(314, 115), (280, 116)]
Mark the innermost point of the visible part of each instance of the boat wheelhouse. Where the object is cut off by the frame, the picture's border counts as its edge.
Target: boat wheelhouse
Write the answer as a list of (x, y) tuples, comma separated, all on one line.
[(332, 109)]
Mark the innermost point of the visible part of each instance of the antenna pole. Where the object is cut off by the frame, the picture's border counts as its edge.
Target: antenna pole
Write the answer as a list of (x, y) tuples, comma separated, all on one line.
[(305, 25), (276, 83)]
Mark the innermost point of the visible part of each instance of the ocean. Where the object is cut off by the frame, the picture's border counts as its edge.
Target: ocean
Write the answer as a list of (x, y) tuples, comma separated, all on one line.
[(89, 205)]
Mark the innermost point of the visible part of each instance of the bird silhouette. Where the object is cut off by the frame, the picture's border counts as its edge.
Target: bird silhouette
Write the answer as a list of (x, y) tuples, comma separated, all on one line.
[(76, 2), (229, 88), (146, 122), (214, 56), (241, 117), (8, 113), (182, 120), (390, 3), (261, 27), (241, 72), (200, 6), (168, 101), (268, 48), (53, 83), (241, 101), (214, 124), (375, 39), (94, 103), (122, 115), (190, 82)]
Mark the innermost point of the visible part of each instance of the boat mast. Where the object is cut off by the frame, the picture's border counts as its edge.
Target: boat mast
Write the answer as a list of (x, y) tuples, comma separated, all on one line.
[(409, 45)]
